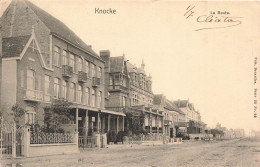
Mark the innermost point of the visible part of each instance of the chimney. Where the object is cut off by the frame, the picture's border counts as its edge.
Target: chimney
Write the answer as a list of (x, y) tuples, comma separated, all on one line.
[(143, 63), (105, 55)]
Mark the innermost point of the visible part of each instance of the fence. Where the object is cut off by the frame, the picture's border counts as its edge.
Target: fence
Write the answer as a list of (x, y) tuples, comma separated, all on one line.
[(10, 144), (87, 142), (50, 138), (139, 139), (96, 140)]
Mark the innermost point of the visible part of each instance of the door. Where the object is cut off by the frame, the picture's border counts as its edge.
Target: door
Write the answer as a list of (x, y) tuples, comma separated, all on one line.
[(171, 132)]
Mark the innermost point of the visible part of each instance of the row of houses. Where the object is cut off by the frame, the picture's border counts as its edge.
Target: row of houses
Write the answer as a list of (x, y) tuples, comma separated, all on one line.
[(43, 61)]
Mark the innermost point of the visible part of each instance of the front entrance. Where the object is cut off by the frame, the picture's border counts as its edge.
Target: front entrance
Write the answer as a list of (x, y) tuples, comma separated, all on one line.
[(171, 133)]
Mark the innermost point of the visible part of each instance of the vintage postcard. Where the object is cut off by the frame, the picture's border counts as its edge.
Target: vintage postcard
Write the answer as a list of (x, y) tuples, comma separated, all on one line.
[(129, 83)]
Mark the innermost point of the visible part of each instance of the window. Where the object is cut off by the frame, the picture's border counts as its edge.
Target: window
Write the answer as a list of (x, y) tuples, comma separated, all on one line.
[(47, 80), (111, 80), (30, 80), (100, 99), (93, 70), (87, 67), (93, 98), (79, 64), (56, 56), (146, 121), (56, 88), (160, 123), (30, 115), (87, 96), (64, 58), (72, 92), (65, 89), (79, 94), (72, 62), (153, 121), (99, 72)]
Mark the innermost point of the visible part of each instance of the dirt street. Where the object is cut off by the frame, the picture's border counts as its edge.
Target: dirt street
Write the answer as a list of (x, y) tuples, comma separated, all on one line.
[(235, 153)]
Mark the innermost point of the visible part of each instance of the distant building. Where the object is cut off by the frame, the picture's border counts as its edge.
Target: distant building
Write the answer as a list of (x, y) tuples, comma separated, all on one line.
[(188, 108), (129, 90)]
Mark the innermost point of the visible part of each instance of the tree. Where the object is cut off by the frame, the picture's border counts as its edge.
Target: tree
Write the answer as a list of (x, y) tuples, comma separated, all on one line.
[(135, 123), (55, 114), (17, 112), (216, 132)]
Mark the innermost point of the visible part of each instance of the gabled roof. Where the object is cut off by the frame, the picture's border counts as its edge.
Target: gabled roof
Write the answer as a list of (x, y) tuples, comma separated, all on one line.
[(58, 27), (168, 105), (13, 46), (131, 67), (181, 103), (117, 64), (177, 109)]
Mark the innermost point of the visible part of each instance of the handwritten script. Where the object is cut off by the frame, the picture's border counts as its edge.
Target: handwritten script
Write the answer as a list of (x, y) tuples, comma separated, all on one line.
[(213, 20)]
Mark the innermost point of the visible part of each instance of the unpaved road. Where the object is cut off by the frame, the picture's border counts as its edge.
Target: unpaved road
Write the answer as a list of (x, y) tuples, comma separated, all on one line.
[(235, 153)]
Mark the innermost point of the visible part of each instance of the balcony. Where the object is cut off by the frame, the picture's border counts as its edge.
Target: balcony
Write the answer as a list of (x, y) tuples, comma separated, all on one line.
[(167, 122), (117, 109), (82, 77), (67, 71), (34, 95), (118, 88), (96, 82)]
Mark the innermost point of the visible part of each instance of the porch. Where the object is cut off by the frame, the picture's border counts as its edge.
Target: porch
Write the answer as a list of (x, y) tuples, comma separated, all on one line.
[(93, 125)]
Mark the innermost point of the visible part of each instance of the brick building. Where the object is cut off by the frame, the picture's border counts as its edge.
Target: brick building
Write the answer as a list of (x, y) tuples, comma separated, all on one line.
[(44, 61), (129, 90)]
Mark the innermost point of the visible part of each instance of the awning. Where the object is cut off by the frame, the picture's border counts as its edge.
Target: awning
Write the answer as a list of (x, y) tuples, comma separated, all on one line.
[(113, 112)]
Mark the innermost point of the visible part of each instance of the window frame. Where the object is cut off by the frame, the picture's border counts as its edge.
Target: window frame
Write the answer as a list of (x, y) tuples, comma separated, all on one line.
[(31, 80), (57, 56), (56, 88)]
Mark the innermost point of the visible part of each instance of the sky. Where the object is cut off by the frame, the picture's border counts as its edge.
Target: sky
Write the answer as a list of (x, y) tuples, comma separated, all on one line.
[(213, 68)]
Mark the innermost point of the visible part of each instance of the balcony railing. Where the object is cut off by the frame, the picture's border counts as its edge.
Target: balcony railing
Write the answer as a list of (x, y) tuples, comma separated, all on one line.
[(67, 71), (117, 109), (96, 82), (34, 95), (118, 87), (167, 122), (82, 76)]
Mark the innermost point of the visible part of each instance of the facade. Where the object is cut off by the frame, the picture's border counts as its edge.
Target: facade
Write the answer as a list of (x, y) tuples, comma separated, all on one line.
[(129, 90), (192, 122), (43, 62), (169, 115), (188, 108)]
